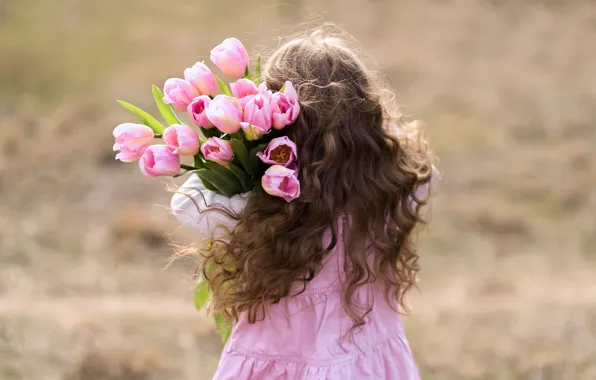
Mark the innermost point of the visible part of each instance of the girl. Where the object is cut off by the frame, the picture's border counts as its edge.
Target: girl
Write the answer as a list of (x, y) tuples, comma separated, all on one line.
[(315, 285)]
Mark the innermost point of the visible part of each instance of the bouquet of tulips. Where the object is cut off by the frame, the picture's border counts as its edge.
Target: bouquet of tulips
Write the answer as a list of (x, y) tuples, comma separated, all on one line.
[(237, 141)]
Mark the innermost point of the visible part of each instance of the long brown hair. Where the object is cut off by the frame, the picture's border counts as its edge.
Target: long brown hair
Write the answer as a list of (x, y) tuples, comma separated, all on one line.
[(359, 162)]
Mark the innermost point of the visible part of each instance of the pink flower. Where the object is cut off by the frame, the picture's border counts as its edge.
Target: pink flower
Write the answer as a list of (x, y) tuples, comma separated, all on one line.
[(202, 79), (253, 132), (257, 113), (243, 87), (225, 113), (217, 150), (294, 167), (182, 139), (280, 151), (263, 90), (197, 109), (282, 182), (284, 106), (231, 57), (159, 160), (179, 93), (132, 140)]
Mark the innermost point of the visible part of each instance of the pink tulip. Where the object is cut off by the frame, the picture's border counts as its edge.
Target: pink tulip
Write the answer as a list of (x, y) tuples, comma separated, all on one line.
[(243, 87), (159, 160), (225, 113), (197, 109), (294, 167), (179, 93), (202, 79), (182, 139), (217, 150), (282, 182), (280, 151), (253, 132), (284, 106), (257, 113), (263, 90), (132, 140), (231, 57), (244, 101)]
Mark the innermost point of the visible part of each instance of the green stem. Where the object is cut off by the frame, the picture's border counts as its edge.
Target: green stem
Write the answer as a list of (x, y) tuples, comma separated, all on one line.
[(158, 136), (188, 167)]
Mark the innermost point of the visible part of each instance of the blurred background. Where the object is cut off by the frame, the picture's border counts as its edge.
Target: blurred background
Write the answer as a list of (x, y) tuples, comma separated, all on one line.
[(507, 89)]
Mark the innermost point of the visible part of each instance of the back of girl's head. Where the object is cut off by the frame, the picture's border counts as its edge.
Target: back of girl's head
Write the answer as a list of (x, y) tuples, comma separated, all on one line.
[(359, 166)]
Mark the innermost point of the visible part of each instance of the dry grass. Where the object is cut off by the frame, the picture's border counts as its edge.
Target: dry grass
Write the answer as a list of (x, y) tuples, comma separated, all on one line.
[(506, 87)]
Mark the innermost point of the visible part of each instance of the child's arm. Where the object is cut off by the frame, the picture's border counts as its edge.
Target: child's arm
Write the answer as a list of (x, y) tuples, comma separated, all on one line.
[(191, 202)]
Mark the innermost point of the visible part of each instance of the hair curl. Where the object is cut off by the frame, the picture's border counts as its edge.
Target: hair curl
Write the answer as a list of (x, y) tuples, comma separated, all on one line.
[(359, 162)]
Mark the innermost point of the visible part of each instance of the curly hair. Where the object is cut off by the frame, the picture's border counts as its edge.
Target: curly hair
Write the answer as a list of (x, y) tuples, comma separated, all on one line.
[(360, 165)]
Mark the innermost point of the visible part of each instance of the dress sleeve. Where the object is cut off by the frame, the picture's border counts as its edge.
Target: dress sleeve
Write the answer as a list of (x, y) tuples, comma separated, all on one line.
[(191, 203)]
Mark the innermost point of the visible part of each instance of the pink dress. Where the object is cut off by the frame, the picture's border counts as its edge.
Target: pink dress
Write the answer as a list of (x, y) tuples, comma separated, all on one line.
[(304, 337)]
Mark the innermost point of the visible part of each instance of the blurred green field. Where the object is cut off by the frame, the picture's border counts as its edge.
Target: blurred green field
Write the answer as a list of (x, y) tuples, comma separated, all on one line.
[(506, 88)]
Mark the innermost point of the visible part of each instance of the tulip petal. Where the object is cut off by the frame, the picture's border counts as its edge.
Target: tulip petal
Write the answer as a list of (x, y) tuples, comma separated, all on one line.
[(159, 160), (231, 57), (281, 182)]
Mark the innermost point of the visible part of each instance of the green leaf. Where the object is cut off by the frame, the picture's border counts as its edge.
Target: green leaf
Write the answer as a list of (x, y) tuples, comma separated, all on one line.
[(183, 172), (209, 264), (143, 116), (200, 164), (240, 152), (254, 161), (231, 179), (223, 87), (211, 132), (198, 161), (241, 175), (257, 78), (247, 73), (202, 294), (208, 185), (165, 109), (223, 326), (220, 183)]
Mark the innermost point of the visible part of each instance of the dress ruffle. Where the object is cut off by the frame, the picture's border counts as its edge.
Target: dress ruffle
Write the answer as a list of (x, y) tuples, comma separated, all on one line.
[(390, 359), (304, 338)]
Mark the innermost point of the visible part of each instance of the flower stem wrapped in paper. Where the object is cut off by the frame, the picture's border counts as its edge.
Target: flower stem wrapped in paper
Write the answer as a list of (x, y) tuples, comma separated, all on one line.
[(234, 141)]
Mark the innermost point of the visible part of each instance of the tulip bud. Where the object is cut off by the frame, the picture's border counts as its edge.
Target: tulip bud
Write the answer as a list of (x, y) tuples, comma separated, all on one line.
[(284, 106), (182, 139), (257, 113), (243, 87), (202, 79), (231, 57), (197, 109), (179, 93), (159, 160), (217, 150), (225, 113), (132, 140), (282, 182)]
